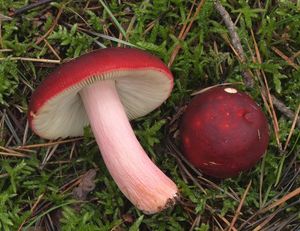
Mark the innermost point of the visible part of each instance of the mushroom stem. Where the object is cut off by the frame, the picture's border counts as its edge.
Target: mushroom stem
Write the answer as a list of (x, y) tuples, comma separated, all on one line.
[(141, 181)]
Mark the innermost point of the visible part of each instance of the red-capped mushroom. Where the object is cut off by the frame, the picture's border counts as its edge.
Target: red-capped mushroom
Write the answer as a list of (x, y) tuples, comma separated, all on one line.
[(223, 132), (104, 88)]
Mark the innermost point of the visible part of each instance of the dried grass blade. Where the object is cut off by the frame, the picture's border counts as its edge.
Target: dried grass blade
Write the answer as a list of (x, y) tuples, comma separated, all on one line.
[(237, 212)]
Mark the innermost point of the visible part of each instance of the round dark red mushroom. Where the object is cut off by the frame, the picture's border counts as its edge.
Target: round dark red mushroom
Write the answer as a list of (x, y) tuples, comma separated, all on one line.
[(105, 88), (223, 132)]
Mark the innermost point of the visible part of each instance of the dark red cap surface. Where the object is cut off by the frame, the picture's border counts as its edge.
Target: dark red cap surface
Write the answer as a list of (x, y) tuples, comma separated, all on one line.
[(223, 133)]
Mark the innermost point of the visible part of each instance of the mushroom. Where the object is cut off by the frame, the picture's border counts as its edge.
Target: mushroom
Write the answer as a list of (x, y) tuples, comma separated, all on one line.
[(105, 89), (223, 132)]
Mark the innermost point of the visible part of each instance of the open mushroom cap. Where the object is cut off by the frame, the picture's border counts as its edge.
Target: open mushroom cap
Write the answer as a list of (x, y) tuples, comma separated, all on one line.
[(143, 83)]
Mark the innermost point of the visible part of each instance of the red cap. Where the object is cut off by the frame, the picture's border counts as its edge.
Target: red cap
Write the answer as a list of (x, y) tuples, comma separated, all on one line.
[(142, 80), (224, 132)]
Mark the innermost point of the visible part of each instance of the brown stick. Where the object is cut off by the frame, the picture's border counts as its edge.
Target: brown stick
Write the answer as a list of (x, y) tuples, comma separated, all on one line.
[(237, 212), (30, 7), (55, 22), (285, 58), (247, 76), (282, 200), (33, 60), (184, 31), (265, 92), (51, 143), (284, 109), (236, 42)]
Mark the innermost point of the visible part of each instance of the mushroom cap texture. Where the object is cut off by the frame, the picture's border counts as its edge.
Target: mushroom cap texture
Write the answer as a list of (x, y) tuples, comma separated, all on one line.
[(223, 132), (142, 80)]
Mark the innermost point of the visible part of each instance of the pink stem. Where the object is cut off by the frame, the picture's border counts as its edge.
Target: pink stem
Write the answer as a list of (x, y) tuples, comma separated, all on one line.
[(142, 182)]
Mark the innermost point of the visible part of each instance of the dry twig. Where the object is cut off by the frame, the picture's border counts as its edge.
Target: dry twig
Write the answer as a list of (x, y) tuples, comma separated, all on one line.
[(40, 39), (238, 49), (32, 210), (292, 128), (236, 42), (285, 110), (185, 29), (30, 7), (265, 92), (33, 60), (284, 57), (237, 212), (51, 143), (290, 195)]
